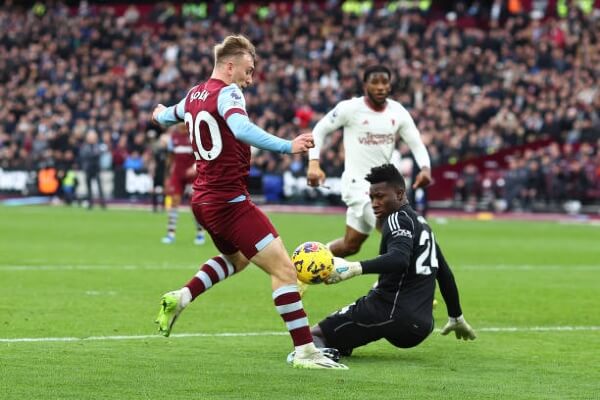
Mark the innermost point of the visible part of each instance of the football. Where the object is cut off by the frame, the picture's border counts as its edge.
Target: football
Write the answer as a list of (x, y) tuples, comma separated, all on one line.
[(313, 262)]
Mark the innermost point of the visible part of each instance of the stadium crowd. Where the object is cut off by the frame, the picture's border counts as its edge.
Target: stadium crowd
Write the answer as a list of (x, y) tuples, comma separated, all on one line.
[(475, 79), (541, 179)]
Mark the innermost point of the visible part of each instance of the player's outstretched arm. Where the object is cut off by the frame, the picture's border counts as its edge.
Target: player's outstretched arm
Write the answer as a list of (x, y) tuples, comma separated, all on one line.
[(447, 285), (157, 110), (449, 289), (397, 258), (302, 143), (246, 131), (342, 270), (167, 116)]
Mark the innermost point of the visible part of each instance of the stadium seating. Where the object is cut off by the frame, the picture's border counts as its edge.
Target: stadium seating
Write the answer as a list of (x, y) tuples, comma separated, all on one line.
[(476, 80)]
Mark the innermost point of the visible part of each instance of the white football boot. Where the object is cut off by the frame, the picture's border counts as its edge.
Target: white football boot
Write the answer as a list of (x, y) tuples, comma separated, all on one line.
[(315, 360)]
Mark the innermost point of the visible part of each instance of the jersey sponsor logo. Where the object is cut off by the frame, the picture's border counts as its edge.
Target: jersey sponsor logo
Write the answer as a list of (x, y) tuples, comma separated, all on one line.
[(200, 95), (395, 228), (374, 139), (402, 233)]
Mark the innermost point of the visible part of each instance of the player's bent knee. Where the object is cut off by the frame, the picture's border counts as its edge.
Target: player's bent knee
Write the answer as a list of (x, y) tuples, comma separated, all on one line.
[(274, 260), (238, 260)]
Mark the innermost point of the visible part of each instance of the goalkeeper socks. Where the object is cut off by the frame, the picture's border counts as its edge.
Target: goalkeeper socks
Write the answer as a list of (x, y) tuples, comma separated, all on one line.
[(289, 306), (212, 272), (172, 222)]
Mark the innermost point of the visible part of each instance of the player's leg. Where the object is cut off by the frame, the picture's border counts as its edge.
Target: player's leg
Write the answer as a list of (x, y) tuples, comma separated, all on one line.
[(360, 221), (353, 326), (265, 249), (158, 200), (405, 336), (274, 260), (100, 190), (200, 238), (349, 244), (172, 216), (409, 330), (88, 183), (213, 271)]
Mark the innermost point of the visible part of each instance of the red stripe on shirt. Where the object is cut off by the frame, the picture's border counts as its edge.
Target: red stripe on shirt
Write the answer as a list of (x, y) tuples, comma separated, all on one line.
[(234, 111)]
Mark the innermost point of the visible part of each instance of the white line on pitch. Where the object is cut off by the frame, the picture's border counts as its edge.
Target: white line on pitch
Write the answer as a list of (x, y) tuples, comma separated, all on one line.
[(499, 267), (92, 267), (529, 267), (267, 333)]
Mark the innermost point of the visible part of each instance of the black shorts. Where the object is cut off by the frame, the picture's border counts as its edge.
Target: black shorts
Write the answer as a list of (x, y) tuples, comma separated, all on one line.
[(367, 320)]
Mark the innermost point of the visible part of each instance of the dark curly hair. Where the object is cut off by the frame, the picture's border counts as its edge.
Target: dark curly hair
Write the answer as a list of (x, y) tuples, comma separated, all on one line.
[(386, 173), (373, 69)]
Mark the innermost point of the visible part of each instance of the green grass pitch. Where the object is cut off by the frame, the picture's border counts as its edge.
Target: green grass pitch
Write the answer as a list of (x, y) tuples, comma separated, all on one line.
[(85, 286)]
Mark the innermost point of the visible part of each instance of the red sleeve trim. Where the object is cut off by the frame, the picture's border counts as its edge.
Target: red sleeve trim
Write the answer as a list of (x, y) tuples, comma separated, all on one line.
[(234, 111), (175, 114)]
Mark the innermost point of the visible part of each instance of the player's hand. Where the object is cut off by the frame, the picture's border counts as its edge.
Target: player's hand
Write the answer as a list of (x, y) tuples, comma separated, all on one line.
[(302, 143), (314, 175), (461, 328), (342, 270), (423, 178), (157, 110)]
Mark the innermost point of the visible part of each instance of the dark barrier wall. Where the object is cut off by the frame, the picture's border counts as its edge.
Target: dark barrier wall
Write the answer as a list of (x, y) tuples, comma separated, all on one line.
[(445, 176)]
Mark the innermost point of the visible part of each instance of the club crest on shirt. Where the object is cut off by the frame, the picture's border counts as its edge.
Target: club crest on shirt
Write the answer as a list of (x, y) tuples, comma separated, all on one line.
[(333, 115)]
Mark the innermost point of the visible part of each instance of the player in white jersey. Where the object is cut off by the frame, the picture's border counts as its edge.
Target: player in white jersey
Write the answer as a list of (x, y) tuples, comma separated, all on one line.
[(371, 125)]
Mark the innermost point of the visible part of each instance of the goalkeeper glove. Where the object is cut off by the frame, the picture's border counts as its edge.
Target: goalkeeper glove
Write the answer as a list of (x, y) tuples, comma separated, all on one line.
[(461, 328), (342, 270)]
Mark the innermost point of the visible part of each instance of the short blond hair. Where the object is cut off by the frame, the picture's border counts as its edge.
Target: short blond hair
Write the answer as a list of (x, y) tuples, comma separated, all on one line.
[(234, 46)]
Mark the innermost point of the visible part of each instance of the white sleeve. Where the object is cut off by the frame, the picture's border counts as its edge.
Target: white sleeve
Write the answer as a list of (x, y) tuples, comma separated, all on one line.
[(231, 100), (410, 134), (334, 119)]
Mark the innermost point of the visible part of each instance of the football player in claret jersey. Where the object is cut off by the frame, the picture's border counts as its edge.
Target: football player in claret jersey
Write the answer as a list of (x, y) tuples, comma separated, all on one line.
[(399, 308), (181, 164), (371, 124), (214, 112)]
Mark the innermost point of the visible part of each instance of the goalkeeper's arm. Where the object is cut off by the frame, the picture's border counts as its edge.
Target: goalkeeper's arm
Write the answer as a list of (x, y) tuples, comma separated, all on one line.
[(456, 321), (396, 259)]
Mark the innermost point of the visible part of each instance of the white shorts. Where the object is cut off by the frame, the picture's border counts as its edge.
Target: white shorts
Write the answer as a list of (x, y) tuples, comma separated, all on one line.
[(359, 215)]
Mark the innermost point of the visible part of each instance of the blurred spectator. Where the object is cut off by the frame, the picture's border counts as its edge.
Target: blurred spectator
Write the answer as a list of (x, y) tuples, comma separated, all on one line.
[(467, 189), (485, 78), (534, 185), (90, 163), (515, 179)]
